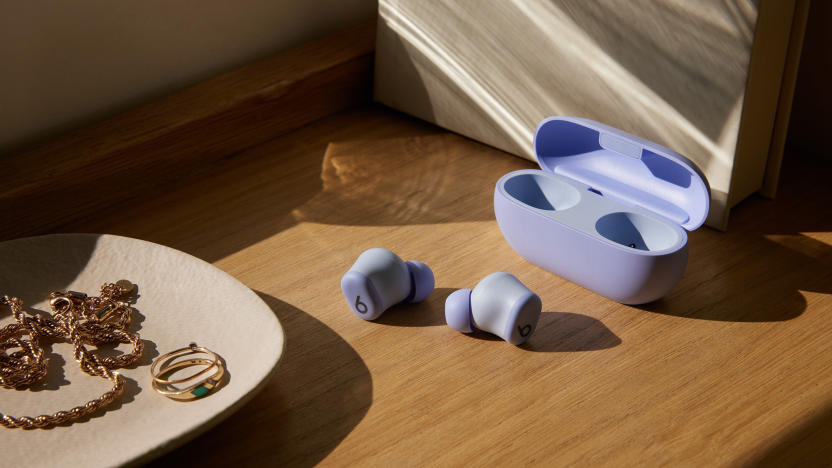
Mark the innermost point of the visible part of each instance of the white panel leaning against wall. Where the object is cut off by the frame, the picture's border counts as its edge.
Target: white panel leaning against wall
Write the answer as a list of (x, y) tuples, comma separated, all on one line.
[(670, 71)]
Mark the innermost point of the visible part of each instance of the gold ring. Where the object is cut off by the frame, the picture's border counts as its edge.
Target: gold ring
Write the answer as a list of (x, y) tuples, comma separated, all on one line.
[(196, 385)]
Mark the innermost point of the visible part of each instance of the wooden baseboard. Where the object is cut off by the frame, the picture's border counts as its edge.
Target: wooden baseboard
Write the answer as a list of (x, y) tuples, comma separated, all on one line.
[(94, 168)]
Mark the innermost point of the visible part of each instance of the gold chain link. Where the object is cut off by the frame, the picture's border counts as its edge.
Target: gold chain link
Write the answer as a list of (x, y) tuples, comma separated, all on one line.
[(80, 320)]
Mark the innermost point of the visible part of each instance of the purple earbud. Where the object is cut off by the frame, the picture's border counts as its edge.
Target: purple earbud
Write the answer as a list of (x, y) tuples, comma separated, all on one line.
[(379, 279), (499, 304)]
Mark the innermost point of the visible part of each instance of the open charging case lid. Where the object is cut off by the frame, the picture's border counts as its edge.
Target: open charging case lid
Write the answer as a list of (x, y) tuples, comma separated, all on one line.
[(624, 167)]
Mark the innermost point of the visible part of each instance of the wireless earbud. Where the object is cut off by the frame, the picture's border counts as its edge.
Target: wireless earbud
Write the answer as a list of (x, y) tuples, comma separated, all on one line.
[(499, 304), (380, 279)]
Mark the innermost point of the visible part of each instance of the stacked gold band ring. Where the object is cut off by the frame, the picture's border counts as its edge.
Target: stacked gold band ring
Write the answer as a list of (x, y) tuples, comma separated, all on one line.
[(195, 385)]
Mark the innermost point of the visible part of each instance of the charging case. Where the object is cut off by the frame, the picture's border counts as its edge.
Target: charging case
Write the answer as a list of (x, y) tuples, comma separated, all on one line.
[(609, 211)]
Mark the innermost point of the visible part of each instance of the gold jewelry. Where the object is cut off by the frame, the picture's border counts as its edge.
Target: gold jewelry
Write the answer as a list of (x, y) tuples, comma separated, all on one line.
[(80, 320), (197, 385)]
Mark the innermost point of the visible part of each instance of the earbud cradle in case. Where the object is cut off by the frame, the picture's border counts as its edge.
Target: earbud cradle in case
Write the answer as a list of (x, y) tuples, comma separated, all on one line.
[(608, 211)]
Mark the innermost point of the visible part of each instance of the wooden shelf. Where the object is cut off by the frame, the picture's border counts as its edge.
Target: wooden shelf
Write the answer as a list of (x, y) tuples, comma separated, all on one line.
[(87, 171)]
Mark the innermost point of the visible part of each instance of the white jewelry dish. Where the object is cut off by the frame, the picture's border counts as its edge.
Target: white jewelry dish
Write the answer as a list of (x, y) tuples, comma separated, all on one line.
[(181, 299)]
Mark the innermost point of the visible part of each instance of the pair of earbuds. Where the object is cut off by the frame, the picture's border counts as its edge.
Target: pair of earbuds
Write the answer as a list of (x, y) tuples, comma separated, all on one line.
[(499, 304)]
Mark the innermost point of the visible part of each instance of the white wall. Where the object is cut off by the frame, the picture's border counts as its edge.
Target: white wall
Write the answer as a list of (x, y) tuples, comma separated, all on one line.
[(66, 63)]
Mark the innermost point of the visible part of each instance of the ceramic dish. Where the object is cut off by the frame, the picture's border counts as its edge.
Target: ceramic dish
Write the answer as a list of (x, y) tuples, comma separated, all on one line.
[(181, 299)]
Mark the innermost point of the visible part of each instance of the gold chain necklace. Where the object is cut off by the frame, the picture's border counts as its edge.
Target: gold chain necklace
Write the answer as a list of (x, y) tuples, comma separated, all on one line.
[(80, 320)]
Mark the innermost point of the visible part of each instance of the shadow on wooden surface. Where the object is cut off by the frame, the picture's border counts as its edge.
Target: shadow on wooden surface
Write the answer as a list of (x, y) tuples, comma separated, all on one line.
[(810, 444), (428, 313), (757, 271), (556, 331), (563, 332), (305, 416)]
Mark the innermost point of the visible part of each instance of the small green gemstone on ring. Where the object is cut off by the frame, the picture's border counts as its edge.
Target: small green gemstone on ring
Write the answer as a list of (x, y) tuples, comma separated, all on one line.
[(200, 391)]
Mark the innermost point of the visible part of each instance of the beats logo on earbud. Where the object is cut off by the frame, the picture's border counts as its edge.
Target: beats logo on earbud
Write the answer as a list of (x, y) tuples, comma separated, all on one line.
[(499, 304), (380, 279)]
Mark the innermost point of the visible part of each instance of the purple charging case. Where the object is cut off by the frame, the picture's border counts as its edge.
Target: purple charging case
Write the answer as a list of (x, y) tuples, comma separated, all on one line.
[(609, 211)]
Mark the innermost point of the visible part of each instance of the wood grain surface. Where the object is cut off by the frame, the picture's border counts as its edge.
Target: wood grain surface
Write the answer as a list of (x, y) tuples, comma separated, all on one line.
[(732, 368), (161, 142)]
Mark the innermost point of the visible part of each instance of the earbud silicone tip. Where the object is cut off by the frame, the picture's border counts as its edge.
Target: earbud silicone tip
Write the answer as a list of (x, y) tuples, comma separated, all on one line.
[(458, 311), (421, 281)]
